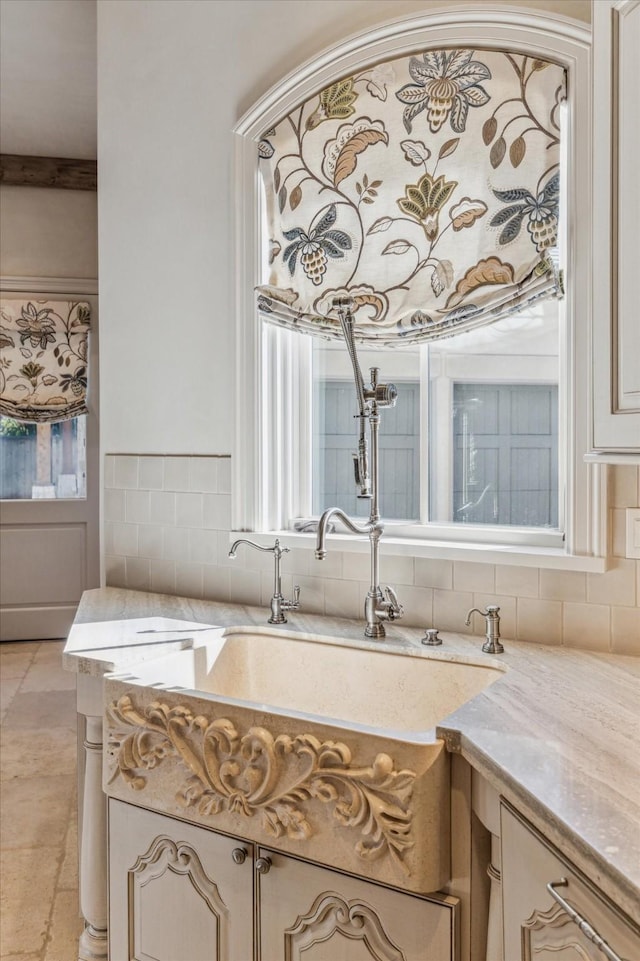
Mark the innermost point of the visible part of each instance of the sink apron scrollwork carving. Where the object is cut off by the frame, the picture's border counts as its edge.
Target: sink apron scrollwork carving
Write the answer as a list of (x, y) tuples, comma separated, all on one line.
[(254, 773)]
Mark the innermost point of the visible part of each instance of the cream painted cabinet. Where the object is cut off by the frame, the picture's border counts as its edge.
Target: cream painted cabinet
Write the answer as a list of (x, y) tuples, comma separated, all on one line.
[(616, 215), (178, 892), (310, 913), (574, 924)]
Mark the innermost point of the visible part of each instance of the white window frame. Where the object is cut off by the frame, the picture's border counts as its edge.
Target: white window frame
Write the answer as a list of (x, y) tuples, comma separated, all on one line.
[(273, 367)]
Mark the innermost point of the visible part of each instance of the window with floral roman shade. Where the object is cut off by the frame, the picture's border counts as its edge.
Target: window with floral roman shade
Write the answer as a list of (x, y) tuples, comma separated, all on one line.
[(425, 187), (43, 359)]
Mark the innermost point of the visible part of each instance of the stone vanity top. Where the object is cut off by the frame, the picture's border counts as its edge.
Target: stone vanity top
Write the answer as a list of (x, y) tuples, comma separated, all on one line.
[(558, 734)]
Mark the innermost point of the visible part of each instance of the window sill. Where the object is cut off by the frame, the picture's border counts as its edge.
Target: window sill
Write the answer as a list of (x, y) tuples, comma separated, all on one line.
[(508, 554)]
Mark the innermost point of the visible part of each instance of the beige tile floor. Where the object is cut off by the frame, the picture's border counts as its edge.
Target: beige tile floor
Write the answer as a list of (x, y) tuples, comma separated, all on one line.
[(38, 818)]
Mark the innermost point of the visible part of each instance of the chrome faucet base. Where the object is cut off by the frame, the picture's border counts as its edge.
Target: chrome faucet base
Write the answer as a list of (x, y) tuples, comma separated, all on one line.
[(375, 630), (493, 647)]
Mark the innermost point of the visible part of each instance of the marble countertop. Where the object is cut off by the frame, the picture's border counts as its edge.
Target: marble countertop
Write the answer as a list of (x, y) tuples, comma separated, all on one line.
[(558, 735)]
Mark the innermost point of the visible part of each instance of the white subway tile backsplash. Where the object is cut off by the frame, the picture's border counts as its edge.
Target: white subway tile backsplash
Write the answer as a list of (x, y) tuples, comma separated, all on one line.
[(450, 609), (189, 510), (138, 573), (563, 585), (204, 475), (224, 475), (176, 473), (115, 569), (418, 603), (433, 573), (162, 508), (163, 576), (114, 501), (177, 544), (151, 473), (215, 583), (203, 546), (245, 587), (625, 630), (125, 539), (137, 507), (189, 579), (395, 569), (125, 473), (109, 477), (341, 598), (518, 581), (539, 621), (473, 577), (312, 594), (150, 541), (357, 567), (615, 586), (217, 511), (176, 540), (586, 626)]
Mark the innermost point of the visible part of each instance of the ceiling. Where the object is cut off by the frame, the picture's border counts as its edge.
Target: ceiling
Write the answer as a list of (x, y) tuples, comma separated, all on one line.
[(48, 78)]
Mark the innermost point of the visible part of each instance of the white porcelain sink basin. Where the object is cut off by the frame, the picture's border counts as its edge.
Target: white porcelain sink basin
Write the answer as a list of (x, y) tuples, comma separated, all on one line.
[(325, 746)]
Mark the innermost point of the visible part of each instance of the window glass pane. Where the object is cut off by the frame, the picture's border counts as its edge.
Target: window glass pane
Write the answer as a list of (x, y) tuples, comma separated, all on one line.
[(494, 423), (42, 460), (492, 435)]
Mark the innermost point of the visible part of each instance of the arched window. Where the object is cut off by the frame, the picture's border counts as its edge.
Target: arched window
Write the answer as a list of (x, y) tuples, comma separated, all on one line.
[(486, 442)]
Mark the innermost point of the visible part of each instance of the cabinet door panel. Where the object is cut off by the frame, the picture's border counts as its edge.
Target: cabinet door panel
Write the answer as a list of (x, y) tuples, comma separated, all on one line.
[(175, 892), (535, 925), (309, 913)]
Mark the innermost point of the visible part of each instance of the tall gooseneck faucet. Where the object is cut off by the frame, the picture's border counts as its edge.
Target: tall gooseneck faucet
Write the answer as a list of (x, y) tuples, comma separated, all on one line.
[(377, 607)]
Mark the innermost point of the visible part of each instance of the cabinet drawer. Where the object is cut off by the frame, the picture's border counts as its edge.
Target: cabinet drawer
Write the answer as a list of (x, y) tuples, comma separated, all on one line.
[(536, 925)]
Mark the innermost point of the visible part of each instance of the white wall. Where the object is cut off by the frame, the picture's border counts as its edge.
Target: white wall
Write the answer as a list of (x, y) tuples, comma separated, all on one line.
[(173, 79)]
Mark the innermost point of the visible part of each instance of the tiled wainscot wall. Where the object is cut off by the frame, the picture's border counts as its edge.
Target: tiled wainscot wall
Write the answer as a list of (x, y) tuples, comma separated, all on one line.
[(167, 523)]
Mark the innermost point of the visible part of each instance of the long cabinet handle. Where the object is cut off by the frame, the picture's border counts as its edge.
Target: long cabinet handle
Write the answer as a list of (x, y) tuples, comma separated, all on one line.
[(589, 932)]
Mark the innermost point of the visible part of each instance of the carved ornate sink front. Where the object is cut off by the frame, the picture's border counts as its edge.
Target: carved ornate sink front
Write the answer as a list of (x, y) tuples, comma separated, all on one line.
[(323, 748)]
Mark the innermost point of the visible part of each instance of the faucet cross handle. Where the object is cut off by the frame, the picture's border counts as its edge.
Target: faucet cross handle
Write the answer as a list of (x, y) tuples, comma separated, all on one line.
[(492, 643)]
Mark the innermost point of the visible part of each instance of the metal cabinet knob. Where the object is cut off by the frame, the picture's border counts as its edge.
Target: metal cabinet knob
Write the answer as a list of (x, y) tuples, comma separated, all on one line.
[(239, 855), (263, 865)]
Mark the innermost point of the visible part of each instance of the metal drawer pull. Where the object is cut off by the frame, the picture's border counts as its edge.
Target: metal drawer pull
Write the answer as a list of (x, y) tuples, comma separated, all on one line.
[(589, 932), (263, 865), (239, 855)]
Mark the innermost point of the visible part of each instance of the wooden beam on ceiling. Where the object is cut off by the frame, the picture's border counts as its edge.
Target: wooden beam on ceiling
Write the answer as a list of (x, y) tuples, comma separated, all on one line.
[(61, 172)]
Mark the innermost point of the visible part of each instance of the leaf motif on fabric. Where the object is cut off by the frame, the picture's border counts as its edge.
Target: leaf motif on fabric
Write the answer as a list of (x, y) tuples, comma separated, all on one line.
[(489, 272), (382, 223), (448, 148), (465, 213), (397, 247), (517, 151), (415, 151), (489, 130), (497, 152), (295, 197), (341, 153)]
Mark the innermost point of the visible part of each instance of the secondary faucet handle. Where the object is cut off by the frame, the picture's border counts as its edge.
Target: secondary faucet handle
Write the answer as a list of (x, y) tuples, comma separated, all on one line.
[(492, 643), (396, 609)]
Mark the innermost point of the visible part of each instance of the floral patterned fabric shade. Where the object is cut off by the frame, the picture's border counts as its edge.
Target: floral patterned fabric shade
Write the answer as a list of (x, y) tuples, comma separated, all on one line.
[(43, 359), (426, 188)]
